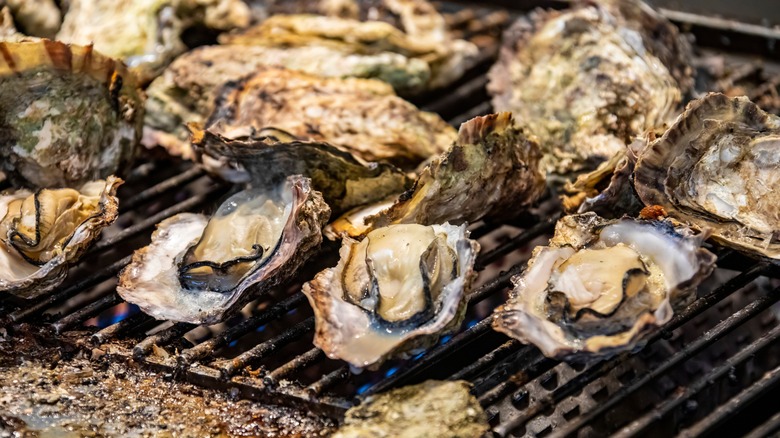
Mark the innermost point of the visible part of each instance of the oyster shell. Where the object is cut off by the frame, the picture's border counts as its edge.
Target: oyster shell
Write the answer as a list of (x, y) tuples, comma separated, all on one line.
[(363, 117), (68, 114), (601, 286), (200, 270), (587, 80), (492, 170), (394, 293), (344, 181), (44, 232), (38, 18), (429, 409), (146, 34), (8, 30), (716, 168)]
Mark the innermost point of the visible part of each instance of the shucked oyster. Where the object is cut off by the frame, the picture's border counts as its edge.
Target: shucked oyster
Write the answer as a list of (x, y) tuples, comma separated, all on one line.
[(492, 170), (199, 269), (393, 293), (361, 116), (717, 168), (265, 161), (146, 34), (42, 233), (587, 80), (68, 114), (601, 286)]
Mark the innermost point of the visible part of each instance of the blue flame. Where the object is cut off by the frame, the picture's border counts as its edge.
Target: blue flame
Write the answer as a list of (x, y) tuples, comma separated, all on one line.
[(445, 339), (261, 328), (391, 371), (472, 323), (233, 344), (363, 388)]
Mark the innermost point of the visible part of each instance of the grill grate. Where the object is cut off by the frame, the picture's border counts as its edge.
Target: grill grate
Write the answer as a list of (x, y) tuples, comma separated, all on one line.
[(701, 373)]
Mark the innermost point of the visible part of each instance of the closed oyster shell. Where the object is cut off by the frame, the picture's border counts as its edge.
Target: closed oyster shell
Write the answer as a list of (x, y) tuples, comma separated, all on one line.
[(491, 171), (146, 34), (43, 233), (200, 270), (601, 286), (265, 161), (587, 80), (68, 115), (716, 168), (392, 294)]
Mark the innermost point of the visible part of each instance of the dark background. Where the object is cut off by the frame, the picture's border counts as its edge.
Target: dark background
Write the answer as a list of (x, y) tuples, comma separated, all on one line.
[(766, 12)]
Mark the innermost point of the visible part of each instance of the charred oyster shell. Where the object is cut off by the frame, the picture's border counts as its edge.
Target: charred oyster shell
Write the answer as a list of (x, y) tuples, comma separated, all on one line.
[(68, 115), (393, 293), (146, 34), (42, 233), (200, 270), (491, 171), (601, 286), (587, 80), (265, 161), (716, 168)]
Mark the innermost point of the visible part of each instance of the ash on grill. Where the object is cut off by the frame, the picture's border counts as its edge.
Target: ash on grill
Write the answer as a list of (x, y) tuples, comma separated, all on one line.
[(714, 369)]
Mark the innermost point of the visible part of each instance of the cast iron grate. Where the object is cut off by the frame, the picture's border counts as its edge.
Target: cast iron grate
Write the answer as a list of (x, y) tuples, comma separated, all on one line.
[(708, 371)]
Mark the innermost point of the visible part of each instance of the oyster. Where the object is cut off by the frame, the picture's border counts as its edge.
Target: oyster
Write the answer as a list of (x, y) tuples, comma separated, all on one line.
[(200, 270), (146, 34), (587, 80), (601, 286), (716, 168), (68, 114), (432, 408), (38, 18), (363, 117), (492, 170), (344, 181), (393, 293), (42, 233), (8, 30)]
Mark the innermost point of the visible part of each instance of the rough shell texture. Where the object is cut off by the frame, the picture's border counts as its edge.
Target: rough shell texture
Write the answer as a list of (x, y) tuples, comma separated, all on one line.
[(716, 168), (491, 171), (28, 280), (587, 80), (601, 286), (146, 34), (152, 279), (431, 408), (8, 31), (344, 181), (37, 18), (361, 116), (348, 331), (68, 115)]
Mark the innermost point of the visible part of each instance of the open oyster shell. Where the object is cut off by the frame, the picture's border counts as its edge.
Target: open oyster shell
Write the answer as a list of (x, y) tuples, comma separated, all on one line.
[(43, 233), (200, 269), (716, 168), (394, 293), (343, 181), (146, 34), (587, 80), (601, 286), (491, 171), (69, 115)]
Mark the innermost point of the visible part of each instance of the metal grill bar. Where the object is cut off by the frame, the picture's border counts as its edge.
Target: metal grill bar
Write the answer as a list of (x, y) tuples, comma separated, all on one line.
[(769, 428), (157, 190), (121, 327), (86, 312), (144, 347), (329, 380), (297, 364), (483, 362)]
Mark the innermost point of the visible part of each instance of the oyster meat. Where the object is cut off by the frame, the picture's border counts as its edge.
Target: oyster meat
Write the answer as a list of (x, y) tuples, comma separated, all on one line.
[(491, 171), (146, 34), (432, 408), (363, 117), (601, 286), (265, 161), (717, 168), (392, 294), (37, 18), (68, 115), (587, 80), (200, 270), (43, 233)]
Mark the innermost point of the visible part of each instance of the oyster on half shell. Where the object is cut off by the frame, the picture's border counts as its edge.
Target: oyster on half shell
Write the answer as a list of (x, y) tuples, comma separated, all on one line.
[(601, 286), (200, 269), (394, 293), (265, 160), (718, 168), (44, 232), (68, 115), (585, 81)]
